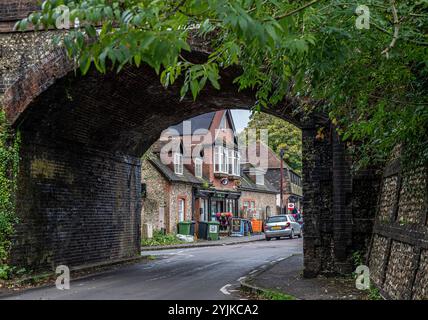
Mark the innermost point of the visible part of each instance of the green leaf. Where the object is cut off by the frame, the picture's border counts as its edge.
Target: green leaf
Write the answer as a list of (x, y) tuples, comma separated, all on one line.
[(194, 88)]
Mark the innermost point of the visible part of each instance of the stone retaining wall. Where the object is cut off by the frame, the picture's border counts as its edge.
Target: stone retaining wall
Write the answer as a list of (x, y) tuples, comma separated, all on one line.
[(398, 258)]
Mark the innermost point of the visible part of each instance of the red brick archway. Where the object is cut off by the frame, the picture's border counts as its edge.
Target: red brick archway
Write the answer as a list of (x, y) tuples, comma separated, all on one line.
[(82, 137)]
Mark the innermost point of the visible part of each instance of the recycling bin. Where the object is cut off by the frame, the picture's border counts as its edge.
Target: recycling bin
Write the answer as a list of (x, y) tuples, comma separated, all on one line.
[(184, 227), (213, 228), (203, 230), (192, 228), (247, 227)]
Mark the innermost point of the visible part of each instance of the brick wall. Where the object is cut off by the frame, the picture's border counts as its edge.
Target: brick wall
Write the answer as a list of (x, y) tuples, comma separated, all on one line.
[(399, 249), (75, 206), (179, 191), (14, 10), (262, 200), (70, 122), (156, 196)]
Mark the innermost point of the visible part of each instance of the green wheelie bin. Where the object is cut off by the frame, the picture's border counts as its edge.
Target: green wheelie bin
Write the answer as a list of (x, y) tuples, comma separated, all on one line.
[(213, 230), (184, 227)]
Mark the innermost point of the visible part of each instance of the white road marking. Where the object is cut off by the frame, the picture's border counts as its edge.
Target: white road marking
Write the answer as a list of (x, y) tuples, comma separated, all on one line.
[(224, 289), (242, 278), (254, 271)]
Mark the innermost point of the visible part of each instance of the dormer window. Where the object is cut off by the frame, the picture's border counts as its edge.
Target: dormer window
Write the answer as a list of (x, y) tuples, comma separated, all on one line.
[(198, 167), (178, 163), (260, 178)]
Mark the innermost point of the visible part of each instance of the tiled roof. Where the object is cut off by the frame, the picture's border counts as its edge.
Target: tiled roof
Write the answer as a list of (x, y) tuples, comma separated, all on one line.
[(248, 184), (186, 177), (199, 122)]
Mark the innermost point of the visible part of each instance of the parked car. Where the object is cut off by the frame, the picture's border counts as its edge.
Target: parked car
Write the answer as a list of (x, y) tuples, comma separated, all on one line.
[(282, 226)]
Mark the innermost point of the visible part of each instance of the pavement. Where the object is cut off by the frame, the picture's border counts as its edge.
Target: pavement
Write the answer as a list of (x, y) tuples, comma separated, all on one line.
[(223, 241), (285, 276), (197, 273)]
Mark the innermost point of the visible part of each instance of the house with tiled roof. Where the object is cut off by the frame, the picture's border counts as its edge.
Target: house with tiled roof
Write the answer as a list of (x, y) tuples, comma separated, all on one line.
[(292, 181), (194, 171)]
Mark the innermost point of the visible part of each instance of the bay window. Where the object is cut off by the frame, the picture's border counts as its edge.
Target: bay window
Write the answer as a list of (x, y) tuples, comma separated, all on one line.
[(236, 164), (225, 161), (218, 158), (231, 156)]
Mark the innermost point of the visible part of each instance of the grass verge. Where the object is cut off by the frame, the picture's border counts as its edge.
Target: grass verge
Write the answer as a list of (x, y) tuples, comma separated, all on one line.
[(275, 295), (160, 239)]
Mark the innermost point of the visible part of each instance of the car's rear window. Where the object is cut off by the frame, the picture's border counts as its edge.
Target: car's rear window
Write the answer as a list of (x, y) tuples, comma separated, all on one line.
[(277, 219)]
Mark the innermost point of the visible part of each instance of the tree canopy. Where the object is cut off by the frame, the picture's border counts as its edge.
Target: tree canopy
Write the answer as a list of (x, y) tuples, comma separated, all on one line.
[(281, 135), (368, 65)]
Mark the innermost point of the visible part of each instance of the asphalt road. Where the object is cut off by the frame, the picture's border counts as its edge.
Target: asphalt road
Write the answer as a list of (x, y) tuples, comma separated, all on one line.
[(195, 274)]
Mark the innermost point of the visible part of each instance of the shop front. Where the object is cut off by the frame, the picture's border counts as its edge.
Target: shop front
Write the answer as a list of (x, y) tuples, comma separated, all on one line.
[(210, 203)]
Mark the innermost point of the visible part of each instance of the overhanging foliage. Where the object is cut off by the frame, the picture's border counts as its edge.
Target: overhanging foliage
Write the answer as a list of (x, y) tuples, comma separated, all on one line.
[(373, 80)]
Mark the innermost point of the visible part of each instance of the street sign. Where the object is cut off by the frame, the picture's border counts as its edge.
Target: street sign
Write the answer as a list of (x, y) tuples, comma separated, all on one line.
[(291, 206)]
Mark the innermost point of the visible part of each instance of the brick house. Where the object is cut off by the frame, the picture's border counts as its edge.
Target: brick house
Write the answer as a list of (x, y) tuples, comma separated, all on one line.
[(203, 175), (258, 195), (292, 181)]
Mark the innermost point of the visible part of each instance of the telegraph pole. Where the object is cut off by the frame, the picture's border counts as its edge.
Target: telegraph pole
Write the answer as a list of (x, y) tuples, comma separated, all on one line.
[(281, 153)]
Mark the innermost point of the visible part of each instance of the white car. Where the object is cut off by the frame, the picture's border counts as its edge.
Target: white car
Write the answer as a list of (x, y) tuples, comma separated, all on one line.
[(282, 226)]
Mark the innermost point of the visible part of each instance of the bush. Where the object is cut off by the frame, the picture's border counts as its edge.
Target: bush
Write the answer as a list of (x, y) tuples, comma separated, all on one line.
[(9, 159), (160, 239)]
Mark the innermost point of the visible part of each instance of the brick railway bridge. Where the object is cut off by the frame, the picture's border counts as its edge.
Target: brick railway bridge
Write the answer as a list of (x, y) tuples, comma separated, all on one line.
[(82, 138)]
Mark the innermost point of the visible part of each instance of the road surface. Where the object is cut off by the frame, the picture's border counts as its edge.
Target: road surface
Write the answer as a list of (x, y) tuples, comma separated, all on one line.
[(209, 273)]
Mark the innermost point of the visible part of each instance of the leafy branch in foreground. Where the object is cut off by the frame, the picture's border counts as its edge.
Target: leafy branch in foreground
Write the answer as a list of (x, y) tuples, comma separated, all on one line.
[(374, 81)]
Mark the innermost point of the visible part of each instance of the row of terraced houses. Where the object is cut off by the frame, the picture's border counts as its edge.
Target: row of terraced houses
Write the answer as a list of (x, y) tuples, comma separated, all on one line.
[(214, 177)]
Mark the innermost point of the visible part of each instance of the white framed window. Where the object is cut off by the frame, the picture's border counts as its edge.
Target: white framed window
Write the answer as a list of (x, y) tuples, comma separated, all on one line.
[(181, 208), (231, 156), (221, 159), (218, 158), (260, 178), (235, 161), (198, 167), (178, 163), (225, 160)]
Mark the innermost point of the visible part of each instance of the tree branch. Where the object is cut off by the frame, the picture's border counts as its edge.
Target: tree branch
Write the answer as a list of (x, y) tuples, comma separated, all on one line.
[(290, 13), (396, 29)]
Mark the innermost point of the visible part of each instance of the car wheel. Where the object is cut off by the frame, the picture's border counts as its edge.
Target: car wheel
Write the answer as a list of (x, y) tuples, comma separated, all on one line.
[(278, 238), (292, 234), (268, 239), (300, 233)]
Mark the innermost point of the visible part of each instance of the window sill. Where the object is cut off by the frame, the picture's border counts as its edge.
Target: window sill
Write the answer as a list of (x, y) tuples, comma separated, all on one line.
[(220, 175)]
